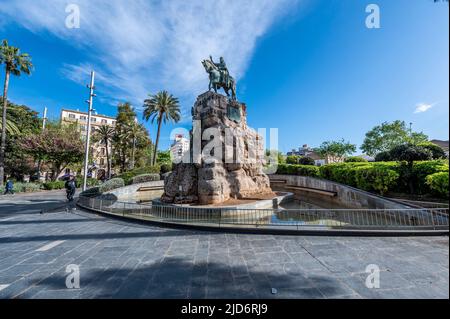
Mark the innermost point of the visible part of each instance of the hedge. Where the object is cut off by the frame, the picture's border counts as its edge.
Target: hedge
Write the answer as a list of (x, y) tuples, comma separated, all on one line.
[(438, 183), (303, 170), (380, 177), (111, 184), (23, 187), (375, 178), (54, 185), (128, 176), (145, 178)]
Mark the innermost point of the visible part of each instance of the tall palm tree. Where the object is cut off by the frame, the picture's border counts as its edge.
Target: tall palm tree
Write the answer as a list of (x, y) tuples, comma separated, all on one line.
[(15, 63), (104, 134), (163, 107)]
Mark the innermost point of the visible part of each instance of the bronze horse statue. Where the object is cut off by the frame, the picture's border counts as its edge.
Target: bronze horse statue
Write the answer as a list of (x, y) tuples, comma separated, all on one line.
[(217, 79)]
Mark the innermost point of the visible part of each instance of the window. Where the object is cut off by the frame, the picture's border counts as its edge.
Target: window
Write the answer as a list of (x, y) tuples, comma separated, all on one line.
[(102, 161), (104, 121), (113, 122), (94, 119), (71, 116), (83, 128), (83, 117), (102, 151)]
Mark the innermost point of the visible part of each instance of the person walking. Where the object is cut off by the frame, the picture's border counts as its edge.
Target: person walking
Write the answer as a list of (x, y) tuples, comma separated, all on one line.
[(9, 187), (70, 188)]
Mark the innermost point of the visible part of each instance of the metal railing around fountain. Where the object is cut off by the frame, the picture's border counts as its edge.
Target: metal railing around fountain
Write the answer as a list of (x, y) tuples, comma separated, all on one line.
[(297, 219)]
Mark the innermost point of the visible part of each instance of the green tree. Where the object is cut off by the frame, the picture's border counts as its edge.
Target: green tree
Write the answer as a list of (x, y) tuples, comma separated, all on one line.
[(17, 162), (436, 151), (335, 151), (15, 63), (136, 136), (164, 157), (11, 127), (105, 134), (121, 146), (386, 136), (163, 107), (59, 145), (410, 153)]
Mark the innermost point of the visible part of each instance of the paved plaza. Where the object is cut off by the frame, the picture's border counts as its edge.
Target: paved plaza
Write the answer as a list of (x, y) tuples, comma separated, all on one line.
[(118, 259)]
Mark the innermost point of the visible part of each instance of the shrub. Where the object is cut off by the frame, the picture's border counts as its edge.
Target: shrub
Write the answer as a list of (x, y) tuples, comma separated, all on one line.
[(383, 157), (355, 159), (438, 183), (303, 170), (307, 170), (305, 160), (166, 167), (292, 159), (341, 172), (92, 182), (111, 184), (54, 185), (91, 192), (145, 178), (436, 151), (23, 188), (375, 178), (128, 176), (28, 187)]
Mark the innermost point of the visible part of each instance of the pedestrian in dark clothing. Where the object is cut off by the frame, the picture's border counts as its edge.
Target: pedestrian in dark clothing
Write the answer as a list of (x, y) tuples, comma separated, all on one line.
[(9, 187), (70, 188)]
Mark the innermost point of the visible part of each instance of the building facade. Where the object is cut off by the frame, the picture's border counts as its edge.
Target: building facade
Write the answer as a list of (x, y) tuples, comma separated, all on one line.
[(307, 151), (179, 147), (99, 166)]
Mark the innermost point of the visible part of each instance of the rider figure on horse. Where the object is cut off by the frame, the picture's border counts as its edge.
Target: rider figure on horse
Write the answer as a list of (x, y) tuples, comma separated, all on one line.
[(222, 68)]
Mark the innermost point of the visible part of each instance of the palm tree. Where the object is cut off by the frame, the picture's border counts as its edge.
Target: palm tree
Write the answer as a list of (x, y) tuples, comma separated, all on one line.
[(11, 127), (163, 107), (135, 133), (104, 134), (15, 63)]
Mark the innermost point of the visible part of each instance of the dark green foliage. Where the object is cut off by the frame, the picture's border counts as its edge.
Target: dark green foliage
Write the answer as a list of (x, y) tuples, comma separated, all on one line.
[(292, 159), (54, 185), (111, 184), (166, 167), (143, 178), (438, 183), (303, 170), (355, 159), (305, 160), (384, 156), (128, 176)]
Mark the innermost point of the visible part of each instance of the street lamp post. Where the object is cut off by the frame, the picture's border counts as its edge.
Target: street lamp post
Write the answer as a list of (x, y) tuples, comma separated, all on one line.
[(88, 130)]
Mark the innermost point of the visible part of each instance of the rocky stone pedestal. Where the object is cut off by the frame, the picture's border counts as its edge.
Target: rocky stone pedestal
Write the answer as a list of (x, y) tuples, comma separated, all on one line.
[(226, 157)]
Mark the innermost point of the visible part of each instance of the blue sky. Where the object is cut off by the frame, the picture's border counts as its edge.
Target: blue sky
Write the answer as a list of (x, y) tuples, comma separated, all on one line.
[(309, 68)]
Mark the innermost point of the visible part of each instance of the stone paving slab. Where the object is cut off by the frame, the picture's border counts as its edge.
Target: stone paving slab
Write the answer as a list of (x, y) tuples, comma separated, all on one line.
[(118, 259)]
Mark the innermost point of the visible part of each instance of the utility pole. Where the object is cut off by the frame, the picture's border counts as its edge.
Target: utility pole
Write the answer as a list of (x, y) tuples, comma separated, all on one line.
[(88, 130), (410, 129), (44, 120)]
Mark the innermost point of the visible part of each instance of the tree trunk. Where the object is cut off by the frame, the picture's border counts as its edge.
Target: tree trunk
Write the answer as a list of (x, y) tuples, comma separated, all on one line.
[(157, 139), (133, 153), (3, 142), (108, 166)]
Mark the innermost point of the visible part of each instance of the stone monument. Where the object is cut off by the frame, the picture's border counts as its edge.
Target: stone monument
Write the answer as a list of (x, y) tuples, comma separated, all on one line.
[(226, 156)]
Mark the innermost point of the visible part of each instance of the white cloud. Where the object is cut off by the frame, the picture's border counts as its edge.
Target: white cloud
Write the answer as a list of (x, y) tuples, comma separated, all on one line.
[(140, 47), (423, 107)]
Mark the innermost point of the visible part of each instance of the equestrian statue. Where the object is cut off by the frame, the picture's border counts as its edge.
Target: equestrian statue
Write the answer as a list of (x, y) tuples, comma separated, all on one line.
[(219, 77)]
